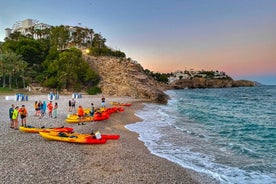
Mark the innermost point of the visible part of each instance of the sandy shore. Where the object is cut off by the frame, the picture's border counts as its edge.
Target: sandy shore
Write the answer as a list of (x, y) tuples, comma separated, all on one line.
[(28, 158)]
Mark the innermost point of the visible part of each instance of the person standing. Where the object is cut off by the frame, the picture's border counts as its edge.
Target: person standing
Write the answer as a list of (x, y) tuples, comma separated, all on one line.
[(103, 101), (70, 106), (92, 110), (73, 103), (42, 107), (50, 108), (37, 109), (55, 110), (10, 115), (81, 115), (23, 115), (15, 118)]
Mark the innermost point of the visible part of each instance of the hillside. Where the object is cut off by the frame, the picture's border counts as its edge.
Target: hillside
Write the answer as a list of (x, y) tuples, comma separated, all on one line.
[(122, 77)]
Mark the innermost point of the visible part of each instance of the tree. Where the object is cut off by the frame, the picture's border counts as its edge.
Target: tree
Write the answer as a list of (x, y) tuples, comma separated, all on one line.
[(11, 65), (59, 37), (90, 36), (69, 71), (15, 36), (98, 41)]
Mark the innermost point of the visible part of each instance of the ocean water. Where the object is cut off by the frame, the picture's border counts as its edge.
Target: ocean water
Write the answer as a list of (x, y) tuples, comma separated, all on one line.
[(228, 133)]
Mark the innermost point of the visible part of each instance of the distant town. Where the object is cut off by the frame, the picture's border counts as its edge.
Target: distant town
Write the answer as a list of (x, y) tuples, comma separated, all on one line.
[(190, 74)]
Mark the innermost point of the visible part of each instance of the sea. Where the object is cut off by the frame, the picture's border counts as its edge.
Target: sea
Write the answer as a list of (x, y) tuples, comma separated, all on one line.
[(226, 133)]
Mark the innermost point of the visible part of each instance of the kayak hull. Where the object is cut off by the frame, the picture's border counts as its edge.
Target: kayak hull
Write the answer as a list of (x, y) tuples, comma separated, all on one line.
[(55, 136), (96, 117), (36, 129)]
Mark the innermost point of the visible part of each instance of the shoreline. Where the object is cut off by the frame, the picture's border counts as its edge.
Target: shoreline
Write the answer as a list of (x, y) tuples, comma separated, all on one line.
[(28, 158)]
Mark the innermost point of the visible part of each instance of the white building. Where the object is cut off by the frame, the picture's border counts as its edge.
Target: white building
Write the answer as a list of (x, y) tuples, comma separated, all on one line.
[(26, 27)]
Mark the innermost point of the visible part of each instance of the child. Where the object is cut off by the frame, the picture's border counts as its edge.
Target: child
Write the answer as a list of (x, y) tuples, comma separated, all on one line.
[(10, 115), (50, 108), (55, 110), (15, 118), (23, 114)]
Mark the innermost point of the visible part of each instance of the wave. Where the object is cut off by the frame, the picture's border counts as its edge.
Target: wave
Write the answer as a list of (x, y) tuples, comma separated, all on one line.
[(221, 147)]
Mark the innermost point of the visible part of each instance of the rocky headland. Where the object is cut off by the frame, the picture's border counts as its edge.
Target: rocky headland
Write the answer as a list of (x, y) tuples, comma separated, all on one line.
[(124, 77), (210, 83)]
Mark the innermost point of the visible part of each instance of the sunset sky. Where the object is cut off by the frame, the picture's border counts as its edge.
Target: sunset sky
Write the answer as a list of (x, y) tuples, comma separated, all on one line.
[(234, 36)]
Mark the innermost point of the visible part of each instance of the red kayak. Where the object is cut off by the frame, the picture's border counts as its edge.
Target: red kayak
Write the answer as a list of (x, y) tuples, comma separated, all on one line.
[(78, 138)]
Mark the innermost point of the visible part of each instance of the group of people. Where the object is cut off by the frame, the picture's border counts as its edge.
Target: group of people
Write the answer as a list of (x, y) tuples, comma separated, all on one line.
[(40, 109), (14, 112), (72, 105), (81, 114)]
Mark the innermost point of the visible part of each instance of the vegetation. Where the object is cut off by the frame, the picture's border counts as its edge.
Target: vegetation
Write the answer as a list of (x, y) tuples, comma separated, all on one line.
[(94, 90), (93, 51), (161, 77), (5, 90), (53, 59)]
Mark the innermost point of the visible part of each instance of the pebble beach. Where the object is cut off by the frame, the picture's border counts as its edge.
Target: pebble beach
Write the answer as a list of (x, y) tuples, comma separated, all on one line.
[(28, 158)]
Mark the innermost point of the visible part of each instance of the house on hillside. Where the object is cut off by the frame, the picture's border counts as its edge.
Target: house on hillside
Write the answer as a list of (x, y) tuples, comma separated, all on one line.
[(28, 27)]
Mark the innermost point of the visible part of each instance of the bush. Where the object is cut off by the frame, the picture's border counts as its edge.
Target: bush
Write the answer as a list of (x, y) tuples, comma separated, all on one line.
[(94, 90), (6, 89)]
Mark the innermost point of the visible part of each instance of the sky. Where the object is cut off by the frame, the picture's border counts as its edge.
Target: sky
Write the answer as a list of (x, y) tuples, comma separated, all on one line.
[(234, 36)]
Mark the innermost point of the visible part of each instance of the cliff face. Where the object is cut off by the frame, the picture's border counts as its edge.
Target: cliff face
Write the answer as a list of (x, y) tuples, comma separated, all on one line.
[(122, 77), (210, 83)]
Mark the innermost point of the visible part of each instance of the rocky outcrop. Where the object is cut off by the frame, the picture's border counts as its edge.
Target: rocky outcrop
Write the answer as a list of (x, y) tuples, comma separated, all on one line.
[(122, 77), (210, 83), (243, 83)]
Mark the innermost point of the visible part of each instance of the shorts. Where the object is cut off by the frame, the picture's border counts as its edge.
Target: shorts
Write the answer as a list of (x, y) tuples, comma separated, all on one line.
[(23, 116)]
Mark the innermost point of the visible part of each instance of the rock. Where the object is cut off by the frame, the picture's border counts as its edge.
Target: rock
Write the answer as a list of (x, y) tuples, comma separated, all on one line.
[(210, 83), (241, 83), (122, 77)]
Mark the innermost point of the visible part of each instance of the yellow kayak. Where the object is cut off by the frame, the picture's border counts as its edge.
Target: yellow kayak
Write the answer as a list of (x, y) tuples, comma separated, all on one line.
[(31, 129), (75, 119), (72, 138)]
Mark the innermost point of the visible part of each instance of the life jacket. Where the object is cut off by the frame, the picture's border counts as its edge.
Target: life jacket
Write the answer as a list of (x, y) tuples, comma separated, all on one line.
[(15, 114), (80, 112), (23, 111)]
